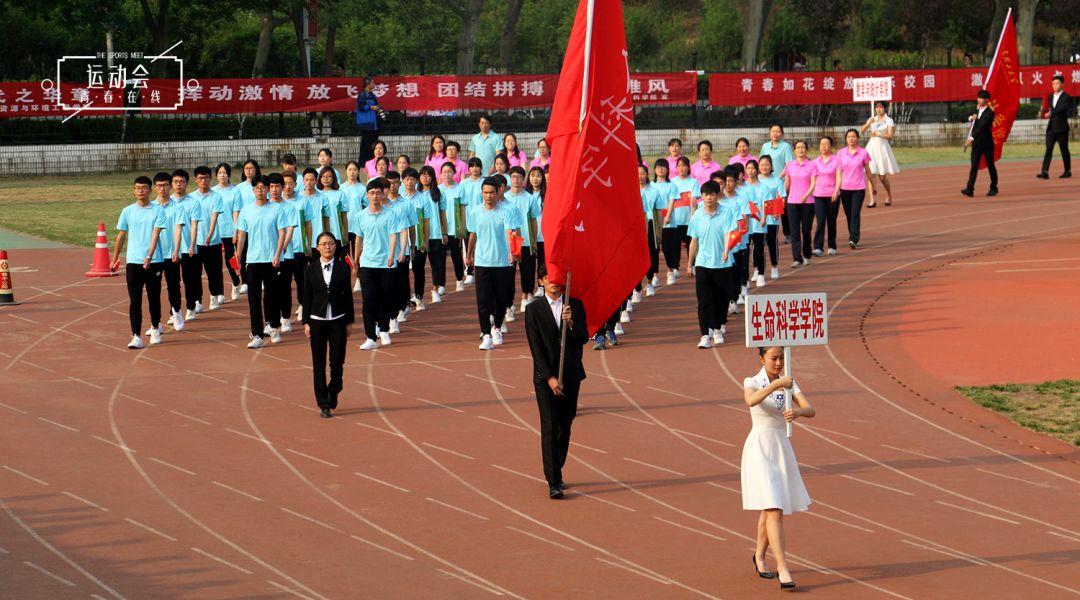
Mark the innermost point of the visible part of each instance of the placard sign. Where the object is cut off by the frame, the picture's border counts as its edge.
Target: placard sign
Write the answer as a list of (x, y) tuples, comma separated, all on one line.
[(786, 320), (869, 89)]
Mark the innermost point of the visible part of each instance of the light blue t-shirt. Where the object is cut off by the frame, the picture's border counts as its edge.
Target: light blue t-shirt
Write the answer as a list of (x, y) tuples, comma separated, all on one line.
[(651, 201), (336, 203), (194, 214), (230, 203), (540, 219), (316, 206), (486, 149), (711, 232), (771, 187), (247, 196), (375, 230), (451, 200), (528, 207), (174, 215), (304, 214), (780, 155), (755, 194), (432, 210), (490, 226), (685, 192), (738, 207), (139, 223), (211, 203), (290, 217), (356, 194), (472, 192), (261, 224)]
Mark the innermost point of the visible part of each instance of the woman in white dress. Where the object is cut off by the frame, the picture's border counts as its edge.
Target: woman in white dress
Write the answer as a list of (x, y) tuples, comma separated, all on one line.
[(771, 482), (882, 161)]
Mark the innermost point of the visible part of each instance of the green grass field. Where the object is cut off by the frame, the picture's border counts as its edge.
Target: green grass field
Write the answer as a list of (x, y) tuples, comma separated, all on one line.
[(68, 210), (1052, 408)]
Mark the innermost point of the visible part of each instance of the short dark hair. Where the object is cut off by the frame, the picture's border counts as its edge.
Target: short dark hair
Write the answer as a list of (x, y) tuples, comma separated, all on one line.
[(674, 141), (328, 152), (379, 183), (984, 94), (391, 175), (475, 162), (517, 171), (181, 173), (777, 125), (143, 180), (410, 172), (704, 143), (486, 117), (494, 181), (289, 159), (275, 178), (289, 175), (1058, 78), (763, 349), (454, 144), (263, 179), (310, 170), (202, 170), (710, 187), (736, 170), (162, 176), (541, 271)]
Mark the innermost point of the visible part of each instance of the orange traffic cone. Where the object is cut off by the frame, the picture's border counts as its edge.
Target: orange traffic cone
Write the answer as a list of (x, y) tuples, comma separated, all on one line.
[(101, 266), (7, 295)]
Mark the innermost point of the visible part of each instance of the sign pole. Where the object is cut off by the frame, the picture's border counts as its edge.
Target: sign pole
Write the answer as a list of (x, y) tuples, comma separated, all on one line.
[(787, 390), (562, 328)]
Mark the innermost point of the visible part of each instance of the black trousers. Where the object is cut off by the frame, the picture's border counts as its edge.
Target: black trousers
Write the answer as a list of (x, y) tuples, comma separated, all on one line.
[(172, 284), (770, 240), (757, 240), (437, 258), (453, 244), (377, 288), (556, 418), (492, 299), (1062, 141), (419, 272), (527, 267), (801, 219), (401, 285), (260, 275), (852, 201), (367, 140), (540, 256), (139, 278), (327, 335), (230, 251), (671, 242), (741, 274), (786, 227), (610, 324), (986, 152), (715, 289), (211, 264), (300, 262), (654, 252), (283, 288), (191, 271), (825, 212)]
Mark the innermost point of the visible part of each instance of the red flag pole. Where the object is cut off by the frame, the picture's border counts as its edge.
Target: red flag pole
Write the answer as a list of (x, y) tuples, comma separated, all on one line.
[(562, 327)]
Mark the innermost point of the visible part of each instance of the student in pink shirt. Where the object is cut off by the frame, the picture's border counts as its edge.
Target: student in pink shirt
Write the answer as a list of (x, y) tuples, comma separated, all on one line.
[(436, 155), (742, 153), (378, 150), (515, 155), (703, 168), (826, 196), (854, 173), (800, 178), (543, 155), (461, 168), (674, 149)]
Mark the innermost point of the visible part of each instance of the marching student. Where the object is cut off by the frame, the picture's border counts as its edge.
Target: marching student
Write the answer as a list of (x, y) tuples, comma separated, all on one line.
[(453, 156), (230, 204), (1057, 108), (190, 264), (662, 184), (772, 188), (854, 173), (210, 249), (489, 251), (742, 153), (652, 203), (528, 207), (142, 223), (299, 244), (316, 204), (169, 242), (328, 320), (981, 140), (705, 165), (397, 203), (826, 196), (379, 151), (711, 264), (685, 192), (282, 281), (536, 184), (731, 198), (403, 162), (800, 178), (455, 222), (419, 209), (335, 209), (436, 155), (261, 228), (436, 226), (780, 153), (355, 197), (382, 167), (377, 250), (674, 148), (502, 167), (471, 197), (326, 161), (515, 156), (485, 145), (756, 193), (248, 173), (288, 167)]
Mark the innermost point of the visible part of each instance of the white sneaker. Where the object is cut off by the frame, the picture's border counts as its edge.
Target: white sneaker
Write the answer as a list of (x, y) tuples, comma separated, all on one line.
[(796, 264), (629, 306), (401, 317), (369, 344), (267, 329), (619, 329), (496, 336), (153, 329), (178, 321), (384, 338), (199, 307), (190, 315), (459, 287), (420, 305), (742, 299), (734, 308), (243, 288), (671, 278), (504, 328), (635, 298), (286, 326), (624, 317), (510, 315), (524, 304), (832, 251), (731, 308), (356, 286), (539, 293), (442, 290), (135, 343), (256, 342), (677, 274), (717, 337), (299, 312), (235, 294), (486, 343), (775, 273), (723, 330), (655, 281), (172, 317), (394, 327), (704, 343), (214, 303), (818, 252), (650, 290), (435, 297), (155, 337), (275, 336), (759, 281), (469, 280)]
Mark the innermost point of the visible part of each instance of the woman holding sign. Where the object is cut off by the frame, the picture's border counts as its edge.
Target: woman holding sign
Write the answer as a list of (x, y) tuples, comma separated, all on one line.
[(882, 161), (771, 482)]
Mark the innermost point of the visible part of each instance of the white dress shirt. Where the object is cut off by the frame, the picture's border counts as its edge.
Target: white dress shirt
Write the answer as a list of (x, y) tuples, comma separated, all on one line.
[(327, 271), (556, 306), (1053, 103)]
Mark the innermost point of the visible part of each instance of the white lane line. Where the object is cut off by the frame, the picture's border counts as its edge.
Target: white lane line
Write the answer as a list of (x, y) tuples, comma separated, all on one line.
[(268, 355), (84, 302), (723, 487), (688, 528), (503, 423), (9, 407), (485, 380), (470, 582), (234, 490), (702, 437), (172, 466), (432, 365), (249, 436), (1067, 537), (976, 512), (518, 473), (221, 560), (37, 366), (540, 538), (457, 508), (187, 416), (976, 562), (884, 487), (4, 550), (85, 382), (310, 457), (150, 529), (441, 405), (909, 451), (810, 466), (85, 501), (51, 422), (588, 447), (634, 571), (663, 391), (657, 467), (204, 375), (48, 573), (139, 400), (1037, 270), (14, 316), (377, 480), (627, 417), (287, 590), (1032, 483), (839, 522), (847, 435), (447, 450), (611, 377), (604, 500), (379, 387), (30, 477), (383, 548), (112, 443), (386, 431), (312, 519), (254, 391)]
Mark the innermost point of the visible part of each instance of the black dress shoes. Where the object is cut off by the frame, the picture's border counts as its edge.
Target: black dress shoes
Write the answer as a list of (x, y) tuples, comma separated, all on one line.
[(1043, 175), (554, 492), (333, 400), (1066, 175), (968, 193), (992, 192), (325, 413), (562, 485), (787, 585), (761, 574)]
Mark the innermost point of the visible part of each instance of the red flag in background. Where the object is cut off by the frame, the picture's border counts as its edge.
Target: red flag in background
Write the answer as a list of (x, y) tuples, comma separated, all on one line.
[(593, 219), (1003, 83)]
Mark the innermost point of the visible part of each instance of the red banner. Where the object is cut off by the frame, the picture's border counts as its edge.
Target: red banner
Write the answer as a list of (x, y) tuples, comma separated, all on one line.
[(1002, 81), (835, 87), (424, 93)]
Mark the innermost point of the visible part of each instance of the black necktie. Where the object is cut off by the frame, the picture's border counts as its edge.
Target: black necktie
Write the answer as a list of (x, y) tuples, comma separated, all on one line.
[(327, 266)]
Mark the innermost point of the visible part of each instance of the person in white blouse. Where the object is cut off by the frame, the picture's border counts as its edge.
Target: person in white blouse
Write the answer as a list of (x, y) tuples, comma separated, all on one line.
[(882, 161)]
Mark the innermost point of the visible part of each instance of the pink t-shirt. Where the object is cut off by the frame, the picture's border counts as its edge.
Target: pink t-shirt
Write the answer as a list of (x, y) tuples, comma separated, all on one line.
[(436, 161), (539, 162), (703, 171), (518, 159), (826, 176), (852, 173), (672, 163), (742, 160), (369, 166), (800, 180)]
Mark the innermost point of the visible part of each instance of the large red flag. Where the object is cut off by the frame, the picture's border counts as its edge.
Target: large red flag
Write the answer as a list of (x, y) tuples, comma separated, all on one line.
[(1003, 83), (592, 212)]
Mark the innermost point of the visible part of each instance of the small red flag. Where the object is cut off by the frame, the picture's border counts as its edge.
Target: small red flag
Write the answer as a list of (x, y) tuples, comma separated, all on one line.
[(733, 239), (775, 206), (1003, 83), (756, 213), (232, 263), (516, 242)]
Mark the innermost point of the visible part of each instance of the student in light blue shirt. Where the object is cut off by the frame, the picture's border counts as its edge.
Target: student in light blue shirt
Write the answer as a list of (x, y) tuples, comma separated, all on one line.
[(377, 249), (297, 248), (436, 228), (711, 264), (684, 194), (261, 229), (528, 207), (536, 184), (190, 264), (455, 221), (757, 193), (251, 172), (485, 145), (231, 205), (355, 198), (405, 210), (169, 241), (316, 204), (489, 251), (141, 223), (209, 242), (780, 153), (772, 188), (291, 218), (418, 206), (336, 209), (652, 203)]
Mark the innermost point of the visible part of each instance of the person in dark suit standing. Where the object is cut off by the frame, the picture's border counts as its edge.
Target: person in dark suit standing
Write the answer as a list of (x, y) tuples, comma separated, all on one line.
[(328, 317), (1058, 109), (981, 140), (557, 401)]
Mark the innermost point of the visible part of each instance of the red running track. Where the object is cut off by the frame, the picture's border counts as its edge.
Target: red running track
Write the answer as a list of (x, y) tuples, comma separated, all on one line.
[(200, 469)]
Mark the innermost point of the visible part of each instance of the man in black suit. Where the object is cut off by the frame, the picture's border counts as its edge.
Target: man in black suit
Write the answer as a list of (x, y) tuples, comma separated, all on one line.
[(328, 317), (557, 401), (981, 140), (1057, 128)]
